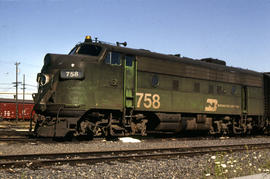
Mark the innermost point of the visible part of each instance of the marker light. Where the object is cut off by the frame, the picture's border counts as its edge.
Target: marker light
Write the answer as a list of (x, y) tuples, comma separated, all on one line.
[(88, 37)]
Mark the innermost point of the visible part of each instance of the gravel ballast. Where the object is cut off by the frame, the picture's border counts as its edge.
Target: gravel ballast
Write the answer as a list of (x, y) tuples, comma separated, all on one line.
[(98, 145), (197, 166), (237, 164)]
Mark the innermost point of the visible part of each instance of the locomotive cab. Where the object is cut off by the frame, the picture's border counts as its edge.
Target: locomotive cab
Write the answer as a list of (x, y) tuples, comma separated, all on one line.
[(59, 69), (86, 48), (74, 86)]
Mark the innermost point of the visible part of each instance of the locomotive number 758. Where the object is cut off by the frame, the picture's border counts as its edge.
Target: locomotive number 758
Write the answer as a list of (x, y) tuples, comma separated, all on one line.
[(148, 100)]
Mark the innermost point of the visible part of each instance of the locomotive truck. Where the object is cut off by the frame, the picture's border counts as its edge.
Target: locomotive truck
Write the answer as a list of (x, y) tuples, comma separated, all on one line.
[(111, 90)]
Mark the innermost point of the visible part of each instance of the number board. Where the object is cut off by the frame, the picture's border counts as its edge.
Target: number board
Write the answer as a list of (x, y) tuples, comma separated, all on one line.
[(71, 74)]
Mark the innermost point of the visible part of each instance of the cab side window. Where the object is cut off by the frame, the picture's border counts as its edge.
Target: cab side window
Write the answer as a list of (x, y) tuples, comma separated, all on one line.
[(113, 58), (129, 60)]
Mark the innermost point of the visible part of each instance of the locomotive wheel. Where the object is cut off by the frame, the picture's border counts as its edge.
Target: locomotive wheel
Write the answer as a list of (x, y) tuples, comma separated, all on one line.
[(86, 129)]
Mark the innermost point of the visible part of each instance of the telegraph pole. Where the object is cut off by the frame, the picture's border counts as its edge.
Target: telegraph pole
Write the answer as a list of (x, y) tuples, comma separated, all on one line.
[(23, 96), (17, 71)]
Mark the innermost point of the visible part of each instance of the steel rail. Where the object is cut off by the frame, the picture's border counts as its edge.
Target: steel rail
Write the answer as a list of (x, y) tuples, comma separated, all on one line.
[(15, 139), (37, 160)]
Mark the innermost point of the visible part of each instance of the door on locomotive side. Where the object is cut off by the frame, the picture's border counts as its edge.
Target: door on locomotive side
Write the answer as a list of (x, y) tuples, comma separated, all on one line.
[(111, 89), (266, 82), (244, 96), (130, 81)]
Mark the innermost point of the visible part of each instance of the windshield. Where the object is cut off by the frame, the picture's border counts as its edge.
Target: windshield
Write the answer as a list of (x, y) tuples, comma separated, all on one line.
[(72, 52), (86, 49)]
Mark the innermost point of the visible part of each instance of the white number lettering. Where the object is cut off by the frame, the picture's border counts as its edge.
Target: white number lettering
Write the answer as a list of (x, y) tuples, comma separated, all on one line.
[(140, 99), (156, 103), (72, 74), (148, 100)]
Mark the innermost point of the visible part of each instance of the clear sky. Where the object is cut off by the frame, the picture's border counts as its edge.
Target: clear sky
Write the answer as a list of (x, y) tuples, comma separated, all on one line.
[(237, 31)]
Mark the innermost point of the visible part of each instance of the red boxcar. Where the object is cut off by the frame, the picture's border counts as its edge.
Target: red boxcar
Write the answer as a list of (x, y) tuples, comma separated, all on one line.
[(8, 109)]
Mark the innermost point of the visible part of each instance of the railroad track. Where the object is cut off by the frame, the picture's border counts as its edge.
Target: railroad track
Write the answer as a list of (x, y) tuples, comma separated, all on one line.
[(13, 136), (37, 160), (14, 126), (16, 139)]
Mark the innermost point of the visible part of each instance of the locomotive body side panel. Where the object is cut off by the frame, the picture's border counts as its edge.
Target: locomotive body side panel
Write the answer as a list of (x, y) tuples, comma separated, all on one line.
[(255, 103), (195, 70), (185, 89), (101, 88), (187, 96)]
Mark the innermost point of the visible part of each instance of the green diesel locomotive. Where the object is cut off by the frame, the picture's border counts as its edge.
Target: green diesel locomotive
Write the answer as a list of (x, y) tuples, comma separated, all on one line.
[(104, 89)]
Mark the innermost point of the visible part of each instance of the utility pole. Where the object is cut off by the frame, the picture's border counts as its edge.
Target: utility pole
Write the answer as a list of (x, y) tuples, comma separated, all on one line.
[(17, 71), (23, 96)]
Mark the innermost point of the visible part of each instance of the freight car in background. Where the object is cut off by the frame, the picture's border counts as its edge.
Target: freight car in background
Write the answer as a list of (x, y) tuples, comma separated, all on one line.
[(8, 109), (99, 88)]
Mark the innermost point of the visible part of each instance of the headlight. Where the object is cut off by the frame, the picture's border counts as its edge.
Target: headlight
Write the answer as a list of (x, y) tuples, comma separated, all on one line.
[(42, 79)]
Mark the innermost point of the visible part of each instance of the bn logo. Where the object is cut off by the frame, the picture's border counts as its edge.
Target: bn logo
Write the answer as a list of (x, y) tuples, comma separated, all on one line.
[(211, 105)]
